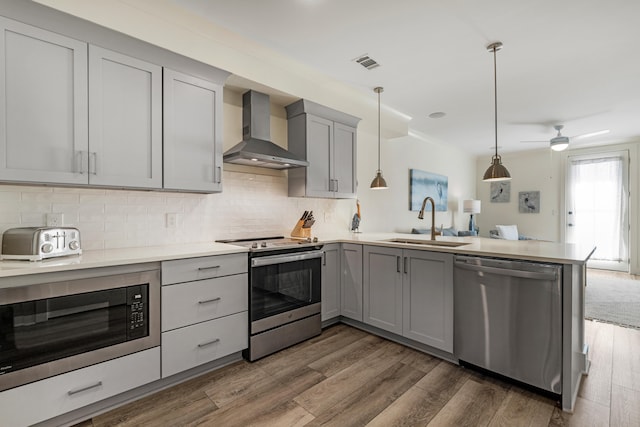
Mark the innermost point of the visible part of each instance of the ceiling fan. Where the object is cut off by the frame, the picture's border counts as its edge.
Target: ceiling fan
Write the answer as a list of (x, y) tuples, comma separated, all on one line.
[(561, 142)]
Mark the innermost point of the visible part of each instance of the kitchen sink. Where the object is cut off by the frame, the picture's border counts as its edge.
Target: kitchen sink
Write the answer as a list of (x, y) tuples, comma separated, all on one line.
[(428, 242)]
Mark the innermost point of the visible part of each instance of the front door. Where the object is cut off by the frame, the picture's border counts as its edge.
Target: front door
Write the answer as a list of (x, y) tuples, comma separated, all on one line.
[(597, 207)]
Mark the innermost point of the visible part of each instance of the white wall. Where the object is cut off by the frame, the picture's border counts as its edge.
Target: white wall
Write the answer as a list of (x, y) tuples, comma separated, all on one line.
[(388, 210), (537, 170)]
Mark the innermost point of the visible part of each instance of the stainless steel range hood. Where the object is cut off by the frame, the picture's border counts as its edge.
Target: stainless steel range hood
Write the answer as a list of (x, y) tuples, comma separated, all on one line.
[(256, 149)]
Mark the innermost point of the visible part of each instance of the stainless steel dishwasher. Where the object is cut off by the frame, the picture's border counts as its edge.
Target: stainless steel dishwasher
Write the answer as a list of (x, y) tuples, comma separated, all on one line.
[(508, 319)]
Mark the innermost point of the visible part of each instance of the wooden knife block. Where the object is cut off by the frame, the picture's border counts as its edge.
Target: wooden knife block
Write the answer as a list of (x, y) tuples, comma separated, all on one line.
[(298, 231)]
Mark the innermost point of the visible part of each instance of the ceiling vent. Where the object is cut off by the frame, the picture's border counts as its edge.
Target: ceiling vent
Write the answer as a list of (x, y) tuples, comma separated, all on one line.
[(367, 62)]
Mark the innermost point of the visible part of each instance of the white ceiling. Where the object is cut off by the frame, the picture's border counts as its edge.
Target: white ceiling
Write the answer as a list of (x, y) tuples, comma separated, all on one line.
[(571, 62)]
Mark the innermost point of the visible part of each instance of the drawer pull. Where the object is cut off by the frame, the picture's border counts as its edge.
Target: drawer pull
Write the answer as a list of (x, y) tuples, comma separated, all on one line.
[(213, 267), (80, 390), (205, 344), (209, 300)]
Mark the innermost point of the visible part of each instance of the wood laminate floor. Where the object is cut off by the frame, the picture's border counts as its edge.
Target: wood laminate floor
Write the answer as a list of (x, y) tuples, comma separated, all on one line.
[(347, 377)]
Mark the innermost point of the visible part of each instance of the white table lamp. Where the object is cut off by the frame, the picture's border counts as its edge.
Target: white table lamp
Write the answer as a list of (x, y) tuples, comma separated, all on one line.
[(471, 207)]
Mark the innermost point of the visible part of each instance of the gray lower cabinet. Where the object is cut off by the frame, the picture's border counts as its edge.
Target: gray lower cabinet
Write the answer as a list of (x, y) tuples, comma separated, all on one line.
[(427, 294), (204, 310), (125, 121), (331, 279), (327, 139), (351, 289), (192, 133), (43, 105), (410, 293), (41, 400), (382, 288)]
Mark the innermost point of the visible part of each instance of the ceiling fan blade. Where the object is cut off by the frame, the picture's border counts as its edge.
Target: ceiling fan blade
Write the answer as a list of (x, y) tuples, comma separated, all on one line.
[(591, 134), (537, 142)]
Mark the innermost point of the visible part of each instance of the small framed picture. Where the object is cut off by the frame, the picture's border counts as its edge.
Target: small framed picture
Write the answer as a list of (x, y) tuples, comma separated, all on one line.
[(500, 192), (529, 202)]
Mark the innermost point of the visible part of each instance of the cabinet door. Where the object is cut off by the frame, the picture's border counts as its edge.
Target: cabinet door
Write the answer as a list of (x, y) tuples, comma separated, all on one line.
[(382, 289), (351, 289), (428, 299), (344, 161), (43, 106), (41, 400), (125, 120), (320, 156), (192, 133), (331, 281)]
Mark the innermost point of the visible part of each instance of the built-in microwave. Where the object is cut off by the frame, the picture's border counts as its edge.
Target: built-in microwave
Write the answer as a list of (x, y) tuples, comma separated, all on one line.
[(58, 326)]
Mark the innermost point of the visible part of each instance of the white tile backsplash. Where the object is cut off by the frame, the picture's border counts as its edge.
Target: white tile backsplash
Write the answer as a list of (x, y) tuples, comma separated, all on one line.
[(250, 204)]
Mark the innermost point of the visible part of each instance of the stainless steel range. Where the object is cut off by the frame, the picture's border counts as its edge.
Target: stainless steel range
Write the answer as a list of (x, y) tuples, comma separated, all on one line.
[(284, 292)]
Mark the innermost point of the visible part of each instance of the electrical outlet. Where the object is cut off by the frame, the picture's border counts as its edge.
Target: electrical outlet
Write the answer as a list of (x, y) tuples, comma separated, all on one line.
[(55, 219), (171, 220)]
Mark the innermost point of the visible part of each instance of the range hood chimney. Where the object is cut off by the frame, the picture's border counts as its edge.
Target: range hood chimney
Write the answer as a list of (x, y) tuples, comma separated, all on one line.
[(256, 149)]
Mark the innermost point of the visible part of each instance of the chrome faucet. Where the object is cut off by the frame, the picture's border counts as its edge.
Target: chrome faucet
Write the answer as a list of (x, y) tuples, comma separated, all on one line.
[(433, 215)]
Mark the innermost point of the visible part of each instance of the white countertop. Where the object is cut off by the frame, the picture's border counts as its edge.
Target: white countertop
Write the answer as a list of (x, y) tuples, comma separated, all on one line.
[(114, 257), (531, 250)]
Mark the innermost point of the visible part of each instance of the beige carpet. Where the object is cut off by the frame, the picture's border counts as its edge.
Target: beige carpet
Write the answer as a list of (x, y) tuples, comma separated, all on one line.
[(613, 298)]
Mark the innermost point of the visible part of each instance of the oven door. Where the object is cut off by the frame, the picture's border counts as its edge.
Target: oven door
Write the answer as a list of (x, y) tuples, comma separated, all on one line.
[(284, 283)]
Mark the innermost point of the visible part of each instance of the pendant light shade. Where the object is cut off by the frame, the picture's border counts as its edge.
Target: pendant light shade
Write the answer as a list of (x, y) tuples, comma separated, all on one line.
[(497, 171), (378, 182)]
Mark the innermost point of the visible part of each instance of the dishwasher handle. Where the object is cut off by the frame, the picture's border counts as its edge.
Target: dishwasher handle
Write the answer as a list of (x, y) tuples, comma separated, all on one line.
[(552, 274)]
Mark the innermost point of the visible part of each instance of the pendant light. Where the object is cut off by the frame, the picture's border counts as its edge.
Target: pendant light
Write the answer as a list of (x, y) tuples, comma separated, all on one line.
[(496, 172), (378, 182)]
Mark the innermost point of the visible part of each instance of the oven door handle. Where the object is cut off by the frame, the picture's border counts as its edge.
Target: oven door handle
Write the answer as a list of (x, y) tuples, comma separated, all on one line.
[(280, 259)]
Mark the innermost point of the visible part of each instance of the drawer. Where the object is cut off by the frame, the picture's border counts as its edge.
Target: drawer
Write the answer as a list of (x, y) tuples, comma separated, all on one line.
[(41, 400), (194, 345), (186, 270), (194, 302)]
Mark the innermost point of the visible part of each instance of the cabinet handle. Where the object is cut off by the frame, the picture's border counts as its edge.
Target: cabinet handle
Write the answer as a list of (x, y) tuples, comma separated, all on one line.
[(213, 267), (218, 177), (398, 264), (208, 343), (94, 156), (81, 389), (206, 301), (337, 185), (406, 259), (324, 258), (79, 165)]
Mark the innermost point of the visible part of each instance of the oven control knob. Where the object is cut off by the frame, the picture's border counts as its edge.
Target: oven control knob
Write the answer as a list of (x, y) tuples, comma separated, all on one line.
[(263, 244), (254, 245), (315, 240), (74, 245), (47, 248)]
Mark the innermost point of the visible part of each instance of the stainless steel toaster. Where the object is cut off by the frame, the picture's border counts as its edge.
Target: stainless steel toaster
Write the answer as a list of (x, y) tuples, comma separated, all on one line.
[(37, 243)]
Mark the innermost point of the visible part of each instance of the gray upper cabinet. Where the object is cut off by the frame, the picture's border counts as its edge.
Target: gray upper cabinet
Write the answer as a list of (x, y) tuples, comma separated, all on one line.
[(326, 138), (83, 105), (125, 121), (192, 133), (43, 105)]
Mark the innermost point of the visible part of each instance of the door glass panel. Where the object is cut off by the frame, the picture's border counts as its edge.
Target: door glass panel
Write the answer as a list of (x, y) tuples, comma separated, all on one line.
[(283, 287), (597, 207)]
